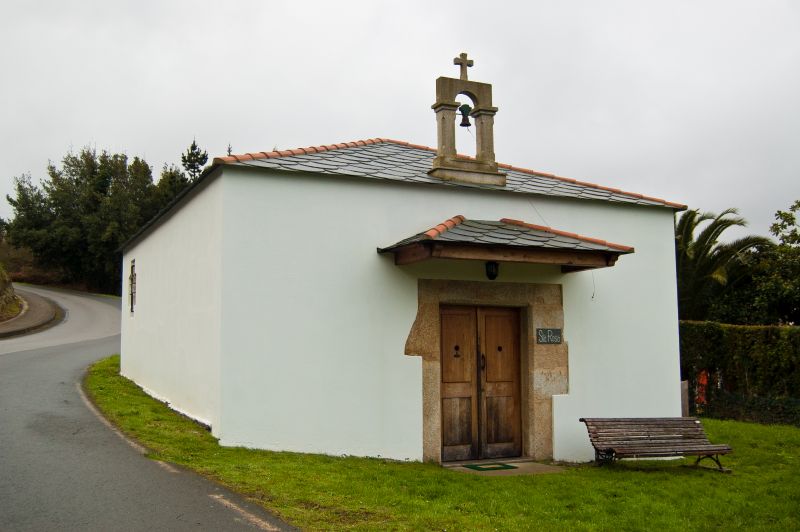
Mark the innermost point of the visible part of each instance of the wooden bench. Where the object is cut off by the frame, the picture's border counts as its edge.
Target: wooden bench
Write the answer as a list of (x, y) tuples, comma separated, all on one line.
[(617, 438)]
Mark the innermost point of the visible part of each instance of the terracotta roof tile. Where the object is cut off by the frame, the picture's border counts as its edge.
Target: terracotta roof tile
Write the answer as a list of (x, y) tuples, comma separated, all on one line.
[(576, 236), (444, 226)]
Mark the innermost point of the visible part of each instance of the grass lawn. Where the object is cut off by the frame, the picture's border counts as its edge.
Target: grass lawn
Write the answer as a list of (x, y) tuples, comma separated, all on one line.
[(325, 492)]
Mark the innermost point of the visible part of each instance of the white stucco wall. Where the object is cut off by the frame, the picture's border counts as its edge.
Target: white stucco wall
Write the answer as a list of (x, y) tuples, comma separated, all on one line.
[(171, 342), (314, 325), (314, 321), (624, 355)]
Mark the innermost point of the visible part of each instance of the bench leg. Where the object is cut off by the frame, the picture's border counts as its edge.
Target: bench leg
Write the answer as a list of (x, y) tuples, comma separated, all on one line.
[(603, 456), (715, 458)]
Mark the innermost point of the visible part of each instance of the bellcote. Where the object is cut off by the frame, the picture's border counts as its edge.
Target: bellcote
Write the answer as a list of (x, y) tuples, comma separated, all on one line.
[(447, 165)]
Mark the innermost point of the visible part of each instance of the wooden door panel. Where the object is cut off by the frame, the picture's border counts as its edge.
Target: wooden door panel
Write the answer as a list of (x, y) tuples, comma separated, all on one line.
[(457, 421), (499, 420), (459, 428), (452, 453), (501, 450), (500, 350), (458, 344), (503, 389), (459, 389), (459, 352), (500, 431)]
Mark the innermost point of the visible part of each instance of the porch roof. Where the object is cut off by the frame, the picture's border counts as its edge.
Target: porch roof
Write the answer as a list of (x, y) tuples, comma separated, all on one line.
[(506, 240)]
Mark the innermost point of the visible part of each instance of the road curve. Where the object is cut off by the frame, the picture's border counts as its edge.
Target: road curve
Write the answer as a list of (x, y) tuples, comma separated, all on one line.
[(88, 317), (61, 468)]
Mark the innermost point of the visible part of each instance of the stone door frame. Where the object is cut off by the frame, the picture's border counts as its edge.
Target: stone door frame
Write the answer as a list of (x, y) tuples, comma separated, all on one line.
[(544, 367)]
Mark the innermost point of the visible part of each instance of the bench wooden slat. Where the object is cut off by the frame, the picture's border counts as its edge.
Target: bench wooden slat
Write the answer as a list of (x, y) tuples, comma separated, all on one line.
[(638, 428), (642, 420), (660, 448), (622, 439), (653, 443), (643, 430), (626, 435)]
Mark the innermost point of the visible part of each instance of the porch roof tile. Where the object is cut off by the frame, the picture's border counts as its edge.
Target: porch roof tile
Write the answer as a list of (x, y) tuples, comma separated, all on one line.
[(508, 232)]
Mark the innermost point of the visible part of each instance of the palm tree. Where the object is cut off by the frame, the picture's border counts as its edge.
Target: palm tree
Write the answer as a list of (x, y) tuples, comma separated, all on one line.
[(705, 266)]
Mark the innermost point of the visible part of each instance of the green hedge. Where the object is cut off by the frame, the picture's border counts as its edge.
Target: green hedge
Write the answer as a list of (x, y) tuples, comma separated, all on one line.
[(747, 365), (724, 405)]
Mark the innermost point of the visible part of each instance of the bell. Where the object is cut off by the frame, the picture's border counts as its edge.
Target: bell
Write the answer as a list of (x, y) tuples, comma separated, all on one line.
[(465, 110)]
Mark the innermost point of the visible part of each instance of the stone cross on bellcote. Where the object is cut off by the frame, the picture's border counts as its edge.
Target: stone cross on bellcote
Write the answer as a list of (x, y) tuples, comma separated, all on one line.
[(464, 63)]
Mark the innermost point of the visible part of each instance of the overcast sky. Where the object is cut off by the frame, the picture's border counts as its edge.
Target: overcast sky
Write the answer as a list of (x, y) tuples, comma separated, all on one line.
[(692, 101)]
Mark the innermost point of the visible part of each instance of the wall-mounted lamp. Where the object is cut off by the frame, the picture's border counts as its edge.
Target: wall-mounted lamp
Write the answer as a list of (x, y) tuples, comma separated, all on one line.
[(492, 269)]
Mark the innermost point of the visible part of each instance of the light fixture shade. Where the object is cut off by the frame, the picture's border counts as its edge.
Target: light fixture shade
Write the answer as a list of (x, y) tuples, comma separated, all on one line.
[(492, 270)]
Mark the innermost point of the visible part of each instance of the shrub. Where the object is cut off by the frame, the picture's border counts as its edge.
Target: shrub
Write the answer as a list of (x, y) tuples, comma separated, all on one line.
[(7, 296)]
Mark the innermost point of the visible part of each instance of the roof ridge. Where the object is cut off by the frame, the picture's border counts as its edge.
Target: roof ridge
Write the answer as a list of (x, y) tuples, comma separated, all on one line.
[(330, 147), (297, 151), (567, 234), (441, 228)]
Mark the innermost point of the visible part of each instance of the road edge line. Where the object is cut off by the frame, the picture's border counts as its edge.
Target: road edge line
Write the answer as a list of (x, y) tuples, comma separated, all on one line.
[(94, 410), (250, 518)]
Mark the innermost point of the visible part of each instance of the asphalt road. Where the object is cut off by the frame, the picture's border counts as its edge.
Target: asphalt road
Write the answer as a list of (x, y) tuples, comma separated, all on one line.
[(62, 468)]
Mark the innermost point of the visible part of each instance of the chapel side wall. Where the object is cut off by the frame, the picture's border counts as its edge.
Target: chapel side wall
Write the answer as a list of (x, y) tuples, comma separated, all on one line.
[(315, 321), (170, 343)]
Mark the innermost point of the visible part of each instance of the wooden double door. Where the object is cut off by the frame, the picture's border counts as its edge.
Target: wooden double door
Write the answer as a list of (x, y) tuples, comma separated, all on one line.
[(480, 389)]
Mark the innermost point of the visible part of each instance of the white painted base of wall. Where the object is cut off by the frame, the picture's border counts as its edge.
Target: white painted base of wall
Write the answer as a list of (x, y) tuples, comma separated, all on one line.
[(165, 400)]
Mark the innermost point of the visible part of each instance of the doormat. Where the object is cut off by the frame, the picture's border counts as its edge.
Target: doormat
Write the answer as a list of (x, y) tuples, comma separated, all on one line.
[(489, 467)]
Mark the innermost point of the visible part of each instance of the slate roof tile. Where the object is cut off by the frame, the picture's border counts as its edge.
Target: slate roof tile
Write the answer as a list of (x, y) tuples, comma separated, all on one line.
[(508, 232), (400, 161)]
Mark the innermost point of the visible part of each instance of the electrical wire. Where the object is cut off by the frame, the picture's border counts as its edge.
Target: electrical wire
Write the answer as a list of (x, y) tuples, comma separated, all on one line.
[(538, 213)]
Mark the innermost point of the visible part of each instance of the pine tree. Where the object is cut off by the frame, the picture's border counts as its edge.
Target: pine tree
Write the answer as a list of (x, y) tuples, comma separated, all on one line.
[(171, 183), (193, 160)]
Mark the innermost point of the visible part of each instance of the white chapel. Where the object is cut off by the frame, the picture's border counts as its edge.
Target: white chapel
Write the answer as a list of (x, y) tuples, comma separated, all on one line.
[(381, 298)]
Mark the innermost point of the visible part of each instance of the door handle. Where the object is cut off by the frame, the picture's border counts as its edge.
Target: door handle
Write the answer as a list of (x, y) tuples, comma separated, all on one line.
[(483, 361)]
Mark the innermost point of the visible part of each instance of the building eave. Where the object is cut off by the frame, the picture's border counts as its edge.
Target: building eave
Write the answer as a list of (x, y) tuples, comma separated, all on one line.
[(210, 173)]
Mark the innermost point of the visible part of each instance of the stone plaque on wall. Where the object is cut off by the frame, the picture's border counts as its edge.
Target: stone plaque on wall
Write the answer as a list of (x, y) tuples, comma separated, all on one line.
[(548, 336)]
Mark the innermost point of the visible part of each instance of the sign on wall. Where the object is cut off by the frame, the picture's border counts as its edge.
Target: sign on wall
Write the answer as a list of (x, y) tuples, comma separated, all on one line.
[(548, 336)]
